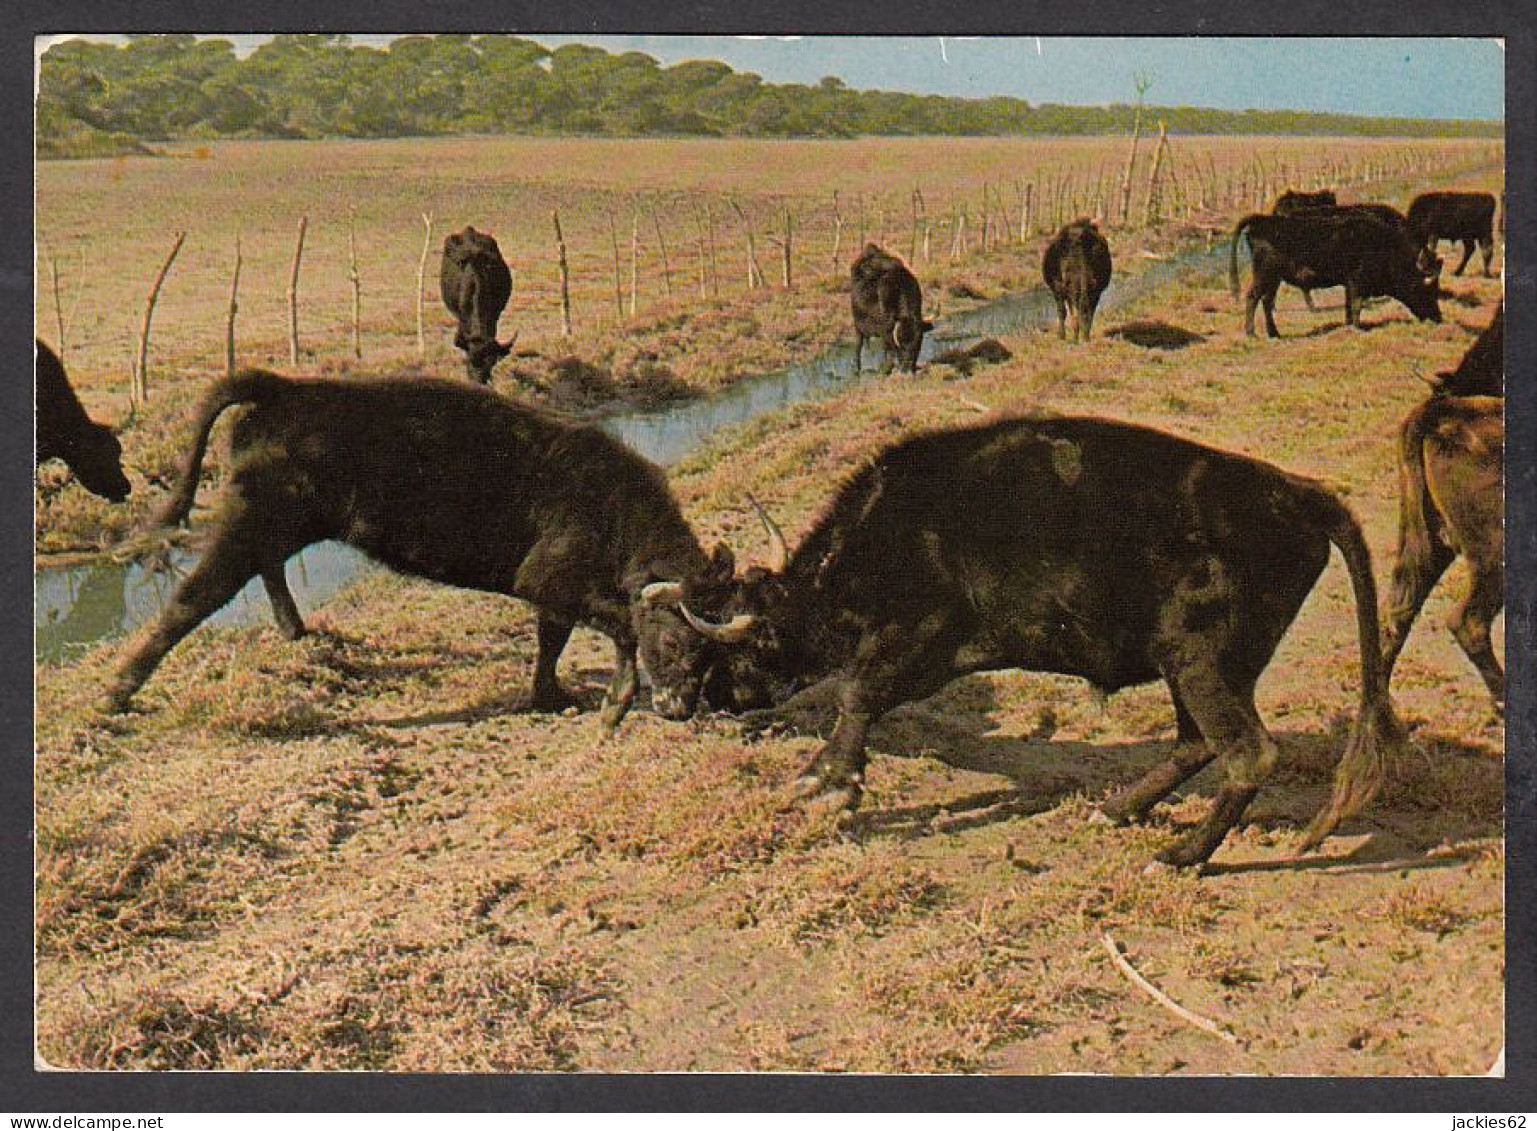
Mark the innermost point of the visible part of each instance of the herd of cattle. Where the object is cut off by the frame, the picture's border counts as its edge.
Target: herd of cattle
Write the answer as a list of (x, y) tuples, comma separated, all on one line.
[(1082, 546)]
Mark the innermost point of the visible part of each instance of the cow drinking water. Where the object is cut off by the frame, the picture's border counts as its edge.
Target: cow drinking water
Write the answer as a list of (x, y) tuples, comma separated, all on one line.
[(476, 285), (1081, 546), (450, 482), (888, 307)]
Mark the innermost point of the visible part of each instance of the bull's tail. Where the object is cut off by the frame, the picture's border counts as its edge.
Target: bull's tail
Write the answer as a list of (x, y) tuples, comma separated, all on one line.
[(1232, 254), (1376, 736), (249, 386), (1416, 540)]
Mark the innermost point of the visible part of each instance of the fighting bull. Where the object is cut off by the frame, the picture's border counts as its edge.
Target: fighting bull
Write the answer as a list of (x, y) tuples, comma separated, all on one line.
[(450, 482), (476, 284), (888, 306), (65, 432), (1345, 247), (1081, 546), (1076, 266)]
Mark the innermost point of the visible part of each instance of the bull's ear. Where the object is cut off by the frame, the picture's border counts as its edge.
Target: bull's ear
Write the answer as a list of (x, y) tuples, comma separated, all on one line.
[(723, 562)]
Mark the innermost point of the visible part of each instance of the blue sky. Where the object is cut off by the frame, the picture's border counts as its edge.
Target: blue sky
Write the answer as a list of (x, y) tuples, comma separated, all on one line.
[(1423, 78)]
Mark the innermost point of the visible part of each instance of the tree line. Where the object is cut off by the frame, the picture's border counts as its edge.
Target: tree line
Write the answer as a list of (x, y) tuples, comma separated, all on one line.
[(105, 97)]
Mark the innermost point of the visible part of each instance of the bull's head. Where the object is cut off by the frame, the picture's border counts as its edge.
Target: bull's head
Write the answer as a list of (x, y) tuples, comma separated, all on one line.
[(907, 334), (676, 658), (96, 457)]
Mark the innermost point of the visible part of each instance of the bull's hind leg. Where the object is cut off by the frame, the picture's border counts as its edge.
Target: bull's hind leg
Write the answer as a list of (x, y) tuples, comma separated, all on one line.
[(1061, 316), (1227, 717), (238, 553), (547, 694), (284, 609), (1486, 250), (1419, 566), (1135, 801), (1467, 254), (859, 352), (1472, 621)]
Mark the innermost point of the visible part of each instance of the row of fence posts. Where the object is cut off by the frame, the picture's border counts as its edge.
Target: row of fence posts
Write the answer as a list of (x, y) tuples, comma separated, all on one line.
[(1037, 208)]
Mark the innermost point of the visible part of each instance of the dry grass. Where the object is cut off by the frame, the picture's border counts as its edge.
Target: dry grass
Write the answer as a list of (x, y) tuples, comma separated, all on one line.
[(353, 852)]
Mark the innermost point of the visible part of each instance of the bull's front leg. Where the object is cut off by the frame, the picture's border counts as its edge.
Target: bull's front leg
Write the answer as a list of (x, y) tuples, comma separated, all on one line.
[(859, 351), (894, 664), (620, 695)]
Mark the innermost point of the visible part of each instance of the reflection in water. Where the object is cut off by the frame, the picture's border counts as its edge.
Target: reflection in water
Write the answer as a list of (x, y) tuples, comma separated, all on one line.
[(74, 609)]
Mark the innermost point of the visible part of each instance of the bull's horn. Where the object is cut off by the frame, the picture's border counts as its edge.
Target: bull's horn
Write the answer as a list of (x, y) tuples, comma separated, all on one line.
[(779, 553), (662, 593), (731, 632), (512, 341), (897, 335)]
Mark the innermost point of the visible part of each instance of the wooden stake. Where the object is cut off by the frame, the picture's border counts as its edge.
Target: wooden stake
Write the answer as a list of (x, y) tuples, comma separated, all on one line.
[(1151, 217), (234, 307), (754, 272), (357, 285), (565, 276), (613, 237), (421, 286), (139, 389), (293, 294), (837, 232), (634, 262), (58, 305), (661, 243)]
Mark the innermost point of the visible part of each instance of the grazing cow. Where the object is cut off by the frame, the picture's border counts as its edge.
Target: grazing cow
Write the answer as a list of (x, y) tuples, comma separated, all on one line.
[(1451, 467), (1293, 200), (476, 285), (65, 432), (1077, 270), (1481, 372), (888, 305), (1332, 248), (1081, 546), (1465, 216), (1290, 203), (451, 482)]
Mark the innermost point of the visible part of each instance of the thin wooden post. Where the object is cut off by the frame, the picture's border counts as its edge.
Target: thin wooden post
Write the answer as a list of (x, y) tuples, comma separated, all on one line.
[(1142, 84), (357, 284), (421, 286), (709, 216), (565, 275), (754, 272), (1151, 216), (789, 236), (661, 243), (613, 237), (234, 307), (293, 293), (58, 304), (634, 262), (139, 389), (704, 260), (837, 232)]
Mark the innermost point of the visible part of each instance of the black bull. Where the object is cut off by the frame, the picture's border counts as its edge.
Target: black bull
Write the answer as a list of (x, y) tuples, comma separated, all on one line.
[(1085, 547), (887, 304), (447, 481), (476, 285), (65, 432), (1467, 217), (1076, 266), (1340, 247)]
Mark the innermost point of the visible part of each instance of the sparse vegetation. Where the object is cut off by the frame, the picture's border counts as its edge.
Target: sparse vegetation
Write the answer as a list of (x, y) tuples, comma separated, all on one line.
[(351, 852)]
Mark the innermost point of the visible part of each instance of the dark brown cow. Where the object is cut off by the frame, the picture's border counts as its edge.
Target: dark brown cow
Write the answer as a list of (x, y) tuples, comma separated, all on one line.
[(65, 432), (1331, 248), (888, 306), (1451, 471), (476, 285), (451, 482), (1076, 266), (1087, 547), (1459, 216)]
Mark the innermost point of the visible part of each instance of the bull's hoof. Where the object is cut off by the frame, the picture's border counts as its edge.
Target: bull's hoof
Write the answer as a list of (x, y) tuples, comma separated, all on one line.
[(837, 793), (551, 700), (1181, 855), (610, 717), (766, 723), (1157, 867)]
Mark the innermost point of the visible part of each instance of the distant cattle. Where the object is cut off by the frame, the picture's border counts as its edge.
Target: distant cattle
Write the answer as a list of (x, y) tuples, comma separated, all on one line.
[(888, 306), (1451, 468), (1464, 216), (447, 481), (1087, 547), (1481, 372), (476, 285), (1332, 248), (1077, 270), (65, 432)]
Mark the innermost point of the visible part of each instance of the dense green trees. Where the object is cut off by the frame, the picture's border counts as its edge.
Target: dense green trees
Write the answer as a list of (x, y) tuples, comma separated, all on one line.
[(158, 87)]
